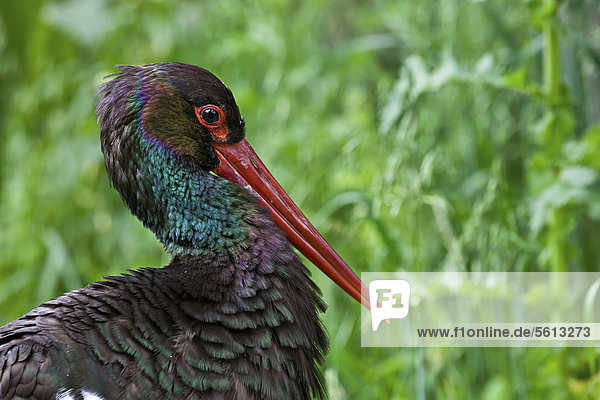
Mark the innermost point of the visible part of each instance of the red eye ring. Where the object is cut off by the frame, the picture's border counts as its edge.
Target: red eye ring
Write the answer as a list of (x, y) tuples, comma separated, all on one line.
[(212, 117)]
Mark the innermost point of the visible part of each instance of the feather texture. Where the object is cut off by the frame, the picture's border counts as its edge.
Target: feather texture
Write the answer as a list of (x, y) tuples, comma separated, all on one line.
[(233, 316), (240, 326)]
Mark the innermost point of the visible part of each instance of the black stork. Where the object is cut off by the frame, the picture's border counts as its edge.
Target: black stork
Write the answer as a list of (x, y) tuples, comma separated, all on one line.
[(234, 315)]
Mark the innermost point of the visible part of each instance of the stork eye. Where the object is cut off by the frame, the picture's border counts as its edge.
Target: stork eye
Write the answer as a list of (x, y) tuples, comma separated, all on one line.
[(210, 115), (213, 118)]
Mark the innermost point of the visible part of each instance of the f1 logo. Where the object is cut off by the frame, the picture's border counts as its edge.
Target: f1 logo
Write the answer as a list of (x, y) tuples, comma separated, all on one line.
[(389, 300)]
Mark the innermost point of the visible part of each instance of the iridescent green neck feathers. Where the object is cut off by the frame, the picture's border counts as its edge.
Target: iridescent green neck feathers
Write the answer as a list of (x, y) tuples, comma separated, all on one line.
[(159, 162)]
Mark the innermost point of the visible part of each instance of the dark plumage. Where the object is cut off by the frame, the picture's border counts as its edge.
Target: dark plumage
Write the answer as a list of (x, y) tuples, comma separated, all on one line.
[(233, 316)]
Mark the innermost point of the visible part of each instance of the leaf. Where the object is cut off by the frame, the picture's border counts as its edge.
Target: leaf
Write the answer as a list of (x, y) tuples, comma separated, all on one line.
[(578, 176), (572, 186)]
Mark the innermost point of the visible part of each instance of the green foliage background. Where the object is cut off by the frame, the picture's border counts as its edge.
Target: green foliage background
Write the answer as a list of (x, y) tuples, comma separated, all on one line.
[(417, 135)]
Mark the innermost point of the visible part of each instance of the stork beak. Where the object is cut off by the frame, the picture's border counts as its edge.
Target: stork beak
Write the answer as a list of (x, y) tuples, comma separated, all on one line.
[(240, 164)]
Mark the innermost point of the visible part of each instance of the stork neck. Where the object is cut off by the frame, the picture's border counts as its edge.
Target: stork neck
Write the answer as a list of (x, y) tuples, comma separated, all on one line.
[(191, 211)]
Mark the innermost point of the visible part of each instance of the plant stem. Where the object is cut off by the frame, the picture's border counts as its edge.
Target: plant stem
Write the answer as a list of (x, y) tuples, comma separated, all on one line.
[(553, 88)]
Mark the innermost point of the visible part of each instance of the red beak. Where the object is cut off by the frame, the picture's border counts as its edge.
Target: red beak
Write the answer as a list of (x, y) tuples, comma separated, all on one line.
[(240, 164)]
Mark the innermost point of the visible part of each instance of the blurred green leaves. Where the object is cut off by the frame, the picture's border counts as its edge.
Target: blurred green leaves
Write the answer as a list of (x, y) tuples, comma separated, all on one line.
[(417, 135)]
